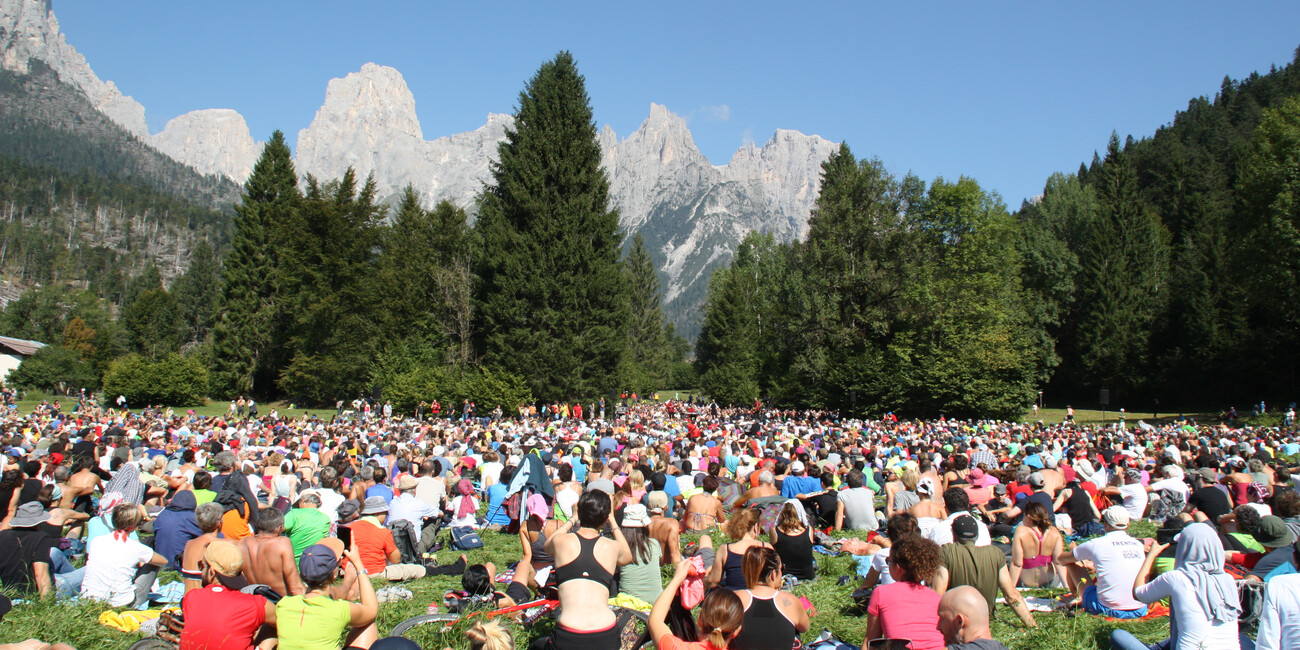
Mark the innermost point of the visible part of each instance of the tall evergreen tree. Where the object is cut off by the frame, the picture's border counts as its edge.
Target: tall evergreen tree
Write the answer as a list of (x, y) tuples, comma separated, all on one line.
[(857, 260), (247, 336), (327, 271), (429, 280), (552, 299), (647, 340), (1125, 279), (198, 292)]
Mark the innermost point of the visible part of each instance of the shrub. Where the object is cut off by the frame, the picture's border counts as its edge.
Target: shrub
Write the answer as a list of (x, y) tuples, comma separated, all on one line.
[(172, 380)]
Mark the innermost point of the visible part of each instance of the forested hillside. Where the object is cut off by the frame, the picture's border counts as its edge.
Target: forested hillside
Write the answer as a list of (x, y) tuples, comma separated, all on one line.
[(1177, 278), (1167, 272)]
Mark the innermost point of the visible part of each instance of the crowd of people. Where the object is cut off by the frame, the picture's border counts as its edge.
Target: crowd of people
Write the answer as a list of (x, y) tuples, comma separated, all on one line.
[(277, 524)]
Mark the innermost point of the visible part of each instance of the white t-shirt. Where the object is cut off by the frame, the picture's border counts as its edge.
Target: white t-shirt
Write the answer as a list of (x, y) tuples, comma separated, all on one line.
[(942, 533), (330, 502), (1189, 627), (490, 473), (565, 500), (1135, 502), (685, 482), (111, 567), (880, 562), (1279, 622), (431, 491), (1118, 558), (1172, 484)]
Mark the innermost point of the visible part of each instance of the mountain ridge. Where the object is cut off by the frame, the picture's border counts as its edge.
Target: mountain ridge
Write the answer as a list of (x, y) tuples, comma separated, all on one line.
[(693, 213)]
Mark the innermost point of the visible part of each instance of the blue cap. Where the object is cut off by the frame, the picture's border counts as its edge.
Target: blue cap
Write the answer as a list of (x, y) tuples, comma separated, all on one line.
[(318, 563)]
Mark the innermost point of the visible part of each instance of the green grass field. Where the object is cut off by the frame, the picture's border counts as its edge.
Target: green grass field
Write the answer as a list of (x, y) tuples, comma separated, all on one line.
[(78, 623)]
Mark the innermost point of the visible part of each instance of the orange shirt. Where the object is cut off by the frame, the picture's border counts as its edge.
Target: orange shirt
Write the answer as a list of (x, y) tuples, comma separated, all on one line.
[(373, 544), (233, 526)]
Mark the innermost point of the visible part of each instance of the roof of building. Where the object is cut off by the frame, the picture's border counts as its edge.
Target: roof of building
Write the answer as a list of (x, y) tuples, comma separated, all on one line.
[(21, 347)]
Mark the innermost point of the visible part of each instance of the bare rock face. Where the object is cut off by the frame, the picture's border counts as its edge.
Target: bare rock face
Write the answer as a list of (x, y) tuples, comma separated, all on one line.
[(368, 123), (691, 213), (212, 141), (29, 30)]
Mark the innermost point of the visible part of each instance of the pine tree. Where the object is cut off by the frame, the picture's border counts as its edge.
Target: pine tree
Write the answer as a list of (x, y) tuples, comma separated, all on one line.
[(427, 264), (647, 339), (552, 299), (1124, 278), (198, 292), (248, 332), (327, 273)]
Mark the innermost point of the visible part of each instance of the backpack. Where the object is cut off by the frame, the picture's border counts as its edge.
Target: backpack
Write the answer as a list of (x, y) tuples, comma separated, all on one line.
[(464, 538), (729, 493), (1251, 594), (461, 602)]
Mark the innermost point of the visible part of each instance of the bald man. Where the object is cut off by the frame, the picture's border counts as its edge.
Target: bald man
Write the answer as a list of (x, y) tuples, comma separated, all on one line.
[(964, 620)]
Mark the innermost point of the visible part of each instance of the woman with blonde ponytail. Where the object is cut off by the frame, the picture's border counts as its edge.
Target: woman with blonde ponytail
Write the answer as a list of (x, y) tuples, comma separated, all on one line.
[(489, 636), (721, 616)]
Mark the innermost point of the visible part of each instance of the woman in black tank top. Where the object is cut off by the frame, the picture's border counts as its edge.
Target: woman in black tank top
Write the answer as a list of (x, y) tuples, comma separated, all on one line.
[(766, 626)]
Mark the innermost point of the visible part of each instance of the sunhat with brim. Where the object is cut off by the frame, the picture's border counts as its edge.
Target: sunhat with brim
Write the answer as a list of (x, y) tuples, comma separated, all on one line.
[(29, 514), (1273, 532), (374, 506)]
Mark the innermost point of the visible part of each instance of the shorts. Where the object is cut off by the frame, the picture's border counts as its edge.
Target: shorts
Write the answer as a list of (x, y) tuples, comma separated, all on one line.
[(565, 639), (1094, 606)]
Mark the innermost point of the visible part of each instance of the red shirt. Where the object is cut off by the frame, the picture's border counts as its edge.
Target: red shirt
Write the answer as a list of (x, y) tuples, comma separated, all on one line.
[(219, 619)]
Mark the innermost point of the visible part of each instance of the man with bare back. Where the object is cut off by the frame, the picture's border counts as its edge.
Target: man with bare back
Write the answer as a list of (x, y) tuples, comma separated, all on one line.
[(665, 529), (268, 555)]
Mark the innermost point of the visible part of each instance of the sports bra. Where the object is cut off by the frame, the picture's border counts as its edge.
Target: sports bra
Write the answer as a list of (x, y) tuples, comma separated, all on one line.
[(585, 567)]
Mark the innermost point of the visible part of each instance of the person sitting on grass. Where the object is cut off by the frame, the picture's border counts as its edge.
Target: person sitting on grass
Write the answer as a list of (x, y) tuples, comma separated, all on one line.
[(208, 518), (982, 567), (721, 617), (316, 620), (773, 618), (1204, 606), (964, 620), (896, 528), (1279, 620), (268, 555), (218, 615), (121, 570), (726, 569), (1116, 558), (480, 579), (585, 563), (907, 609), (793, 540)]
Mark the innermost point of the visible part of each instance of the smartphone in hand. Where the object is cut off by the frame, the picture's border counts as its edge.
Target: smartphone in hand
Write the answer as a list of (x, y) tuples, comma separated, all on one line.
[(345, 536)]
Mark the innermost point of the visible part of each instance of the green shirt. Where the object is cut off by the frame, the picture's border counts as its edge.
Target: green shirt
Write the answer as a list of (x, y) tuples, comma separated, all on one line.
[(204, 496), (317, 623), (305, 526)]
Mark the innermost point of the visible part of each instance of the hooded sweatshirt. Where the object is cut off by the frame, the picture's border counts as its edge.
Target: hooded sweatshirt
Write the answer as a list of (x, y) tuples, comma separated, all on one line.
[(175, 526)]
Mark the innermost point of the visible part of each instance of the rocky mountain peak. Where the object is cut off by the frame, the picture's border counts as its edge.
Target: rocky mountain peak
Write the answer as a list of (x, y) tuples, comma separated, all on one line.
[(212, 141), (29, 30), (367, 122)]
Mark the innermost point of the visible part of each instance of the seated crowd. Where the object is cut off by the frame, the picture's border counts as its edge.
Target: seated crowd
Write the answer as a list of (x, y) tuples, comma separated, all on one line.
[(277, 526)]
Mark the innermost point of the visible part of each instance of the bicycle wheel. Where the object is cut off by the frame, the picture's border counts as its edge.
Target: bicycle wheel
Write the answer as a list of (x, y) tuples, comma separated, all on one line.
[(424, 619)]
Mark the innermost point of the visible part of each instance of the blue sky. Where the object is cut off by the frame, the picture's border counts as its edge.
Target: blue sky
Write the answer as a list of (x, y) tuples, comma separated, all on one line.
[(1003, 92)]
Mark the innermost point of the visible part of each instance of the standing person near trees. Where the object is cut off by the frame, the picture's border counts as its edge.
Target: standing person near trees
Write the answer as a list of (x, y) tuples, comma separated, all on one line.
[(584, 570)]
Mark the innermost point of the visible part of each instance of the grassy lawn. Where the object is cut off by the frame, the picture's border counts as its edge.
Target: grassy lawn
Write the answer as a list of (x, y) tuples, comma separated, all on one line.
[(77, 623), (1110, 416)]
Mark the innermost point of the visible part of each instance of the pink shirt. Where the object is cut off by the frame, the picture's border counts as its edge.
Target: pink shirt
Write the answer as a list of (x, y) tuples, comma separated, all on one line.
[(908, 611)]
